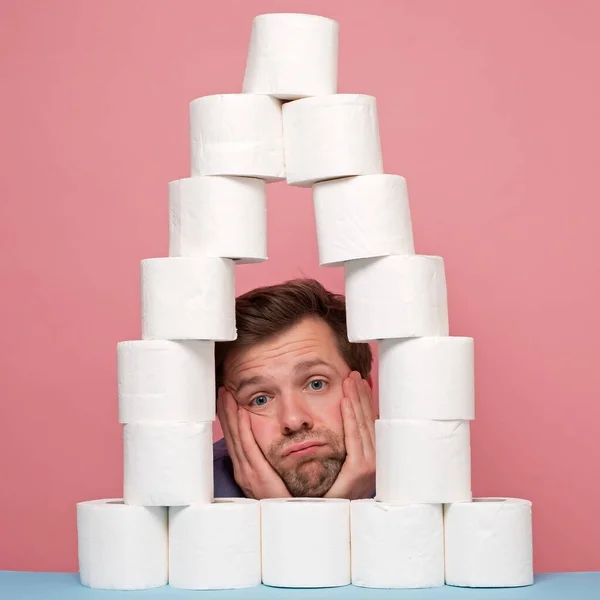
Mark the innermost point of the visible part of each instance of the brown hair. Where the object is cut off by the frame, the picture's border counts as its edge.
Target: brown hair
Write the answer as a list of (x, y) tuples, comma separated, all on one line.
[(269, 310)]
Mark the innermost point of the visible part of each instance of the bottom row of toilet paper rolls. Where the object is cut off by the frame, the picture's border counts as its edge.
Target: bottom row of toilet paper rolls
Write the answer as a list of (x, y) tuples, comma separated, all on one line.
[(305, 542)]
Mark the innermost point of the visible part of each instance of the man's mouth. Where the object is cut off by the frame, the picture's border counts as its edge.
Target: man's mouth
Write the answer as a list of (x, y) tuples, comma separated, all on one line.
[(303, 448)]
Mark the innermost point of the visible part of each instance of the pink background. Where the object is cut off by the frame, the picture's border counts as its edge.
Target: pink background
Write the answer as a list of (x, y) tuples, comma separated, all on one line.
[(489, 109)]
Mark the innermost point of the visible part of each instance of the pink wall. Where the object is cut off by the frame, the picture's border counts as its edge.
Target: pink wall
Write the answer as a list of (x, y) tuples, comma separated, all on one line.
[(489, 109)]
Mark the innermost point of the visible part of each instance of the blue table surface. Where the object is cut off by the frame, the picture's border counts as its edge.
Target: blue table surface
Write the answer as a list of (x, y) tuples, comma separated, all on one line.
[(64, 586)]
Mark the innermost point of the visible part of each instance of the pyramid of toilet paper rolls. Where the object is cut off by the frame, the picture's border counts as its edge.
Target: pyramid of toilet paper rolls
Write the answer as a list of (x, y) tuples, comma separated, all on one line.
[(424, 528)]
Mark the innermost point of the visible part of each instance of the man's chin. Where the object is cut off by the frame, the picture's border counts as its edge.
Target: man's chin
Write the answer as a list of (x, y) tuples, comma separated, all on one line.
[(311, 476)]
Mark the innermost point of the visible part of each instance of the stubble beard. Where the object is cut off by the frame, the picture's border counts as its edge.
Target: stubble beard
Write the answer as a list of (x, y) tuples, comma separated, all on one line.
[(310, 476)]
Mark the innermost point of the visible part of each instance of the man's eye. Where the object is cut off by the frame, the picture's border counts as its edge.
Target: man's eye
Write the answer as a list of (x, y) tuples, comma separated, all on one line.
[(317, 385), (260, 401)]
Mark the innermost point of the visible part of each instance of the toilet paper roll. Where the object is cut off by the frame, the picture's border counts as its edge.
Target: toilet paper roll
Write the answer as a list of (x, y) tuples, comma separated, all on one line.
[(237, 134), (122, 547), (326, 137), (162, 380), (292, 56), (168, 464), (215, 546), (305, 542), (427, 378), (396, 297), (489, 543), (396, 546), (188, 298), (362, 217), (420, 462), (218, 216)]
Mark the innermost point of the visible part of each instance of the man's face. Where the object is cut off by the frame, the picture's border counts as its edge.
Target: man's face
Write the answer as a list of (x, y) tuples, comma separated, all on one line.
[(291, 384)]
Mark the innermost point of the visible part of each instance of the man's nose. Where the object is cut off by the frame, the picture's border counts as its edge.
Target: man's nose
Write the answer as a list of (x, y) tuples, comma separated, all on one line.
[(293, 413)]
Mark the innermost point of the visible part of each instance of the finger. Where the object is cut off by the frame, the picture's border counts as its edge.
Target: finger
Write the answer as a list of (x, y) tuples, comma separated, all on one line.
[(361, 421), (367, 404), (225, 425), (230, 408), (352, 438), (254, 455)]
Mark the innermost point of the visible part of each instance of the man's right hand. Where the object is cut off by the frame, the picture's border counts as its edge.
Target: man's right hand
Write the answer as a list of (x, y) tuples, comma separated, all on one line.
[(252, 472)]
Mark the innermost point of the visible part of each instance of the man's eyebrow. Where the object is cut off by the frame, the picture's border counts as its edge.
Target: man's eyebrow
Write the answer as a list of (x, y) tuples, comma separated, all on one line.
[(306, 365), (249, 381)]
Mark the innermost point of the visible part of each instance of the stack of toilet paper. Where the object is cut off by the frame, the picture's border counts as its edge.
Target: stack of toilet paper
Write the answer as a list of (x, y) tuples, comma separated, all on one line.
[(423, 528)]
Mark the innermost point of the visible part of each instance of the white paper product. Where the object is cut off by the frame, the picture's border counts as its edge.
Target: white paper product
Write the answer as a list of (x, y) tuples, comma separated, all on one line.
[(326, 137), (215, 546), (396, 297), (305, 542), (427, 378), (168, 464), (122, 547), (291, 56), (397, 546), (164, 380), (218, 216), (188, 298), (489, 543), (237, 134), (362, 217), (421, 461)]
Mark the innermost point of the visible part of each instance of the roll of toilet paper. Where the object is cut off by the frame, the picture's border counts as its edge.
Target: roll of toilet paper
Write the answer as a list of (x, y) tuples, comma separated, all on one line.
[(362, 217), (326, 137), (188, 298), (215, 546), (292, 56), (237, 134), (396, 297), (163, 380), (218, 216), (305, 542), (420, 462), (427, 378), (167, 464), (489, 543), (122, 547), (395, 546)]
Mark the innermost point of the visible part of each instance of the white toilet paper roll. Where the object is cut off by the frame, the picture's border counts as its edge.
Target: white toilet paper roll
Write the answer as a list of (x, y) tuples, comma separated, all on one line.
[(395, 546), (215, 546), (362, 217), (168, 464), (218, 216), (396, 297), (489, 543), (292, 56), (237, 134), (305, 542), (326, 137), (421, 462), (427, 378), (162, 380), (188, 298), (122, 547)]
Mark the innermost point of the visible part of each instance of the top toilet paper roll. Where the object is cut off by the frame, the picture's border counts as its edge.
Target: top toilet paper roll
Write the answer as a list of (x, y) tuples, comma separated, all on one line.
[(362, 217), (427, 378), (188, 298), (292, 56), (327, 137), (218, 216), (396, 297), (305, 542), (237, 134), (489, 543)]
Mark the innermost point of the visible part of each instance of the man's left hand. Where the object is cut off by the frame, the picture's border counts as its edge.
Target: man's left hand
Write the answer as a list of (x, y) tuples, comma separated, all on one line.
[(357, 476)]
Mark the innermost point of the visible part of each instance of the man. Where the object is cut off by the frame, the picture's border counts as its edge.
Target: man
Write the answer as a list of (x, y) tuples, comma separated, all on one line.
[(294, 399)]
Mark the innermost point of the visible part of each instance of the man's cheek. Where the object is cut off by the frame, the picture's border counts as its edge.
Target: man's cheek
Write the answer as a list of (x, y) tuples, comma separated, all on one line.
[(262, 430)]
